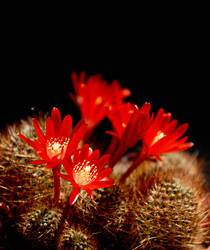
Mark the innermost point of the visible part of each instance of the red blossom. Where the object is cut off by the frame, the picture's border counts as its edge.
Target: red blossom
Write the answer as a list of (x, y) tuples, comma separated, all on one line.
[(85, 170), (162, 136), (94, 97), (134, 122), (57, 144), (120, 116)]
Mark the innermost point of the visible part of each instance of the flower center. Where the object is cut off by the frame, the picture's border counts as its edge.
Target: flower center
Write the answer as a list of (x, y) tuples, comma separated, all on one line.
[(123, 125), (99, 100), (79, 99), (56, 146), (159, 136), (84, 173)]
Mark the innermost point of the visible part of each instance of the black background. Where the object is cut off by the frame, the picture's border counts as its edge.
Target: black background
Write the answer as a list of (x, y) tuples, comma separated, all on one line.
[(164, 63)]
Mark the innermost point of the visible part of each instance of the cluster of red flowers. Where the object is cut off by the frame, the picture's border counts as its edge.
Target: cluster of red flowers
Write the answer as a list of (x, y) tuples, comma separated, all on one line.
[(84, 167), (95, 98), (60, 146)]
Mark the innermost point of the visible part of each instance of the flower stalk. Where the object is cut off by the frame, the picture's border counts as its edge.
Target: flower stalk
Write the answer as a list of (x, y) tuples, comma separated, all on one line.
[(57, 183)]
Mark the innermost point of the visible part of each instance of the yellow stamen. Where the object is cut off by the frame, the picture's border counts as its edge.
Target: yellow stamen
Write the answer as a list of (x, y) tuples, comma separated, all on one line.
[(84, 173), (123, 125), (99, 100), (159, 136), (56, 146)]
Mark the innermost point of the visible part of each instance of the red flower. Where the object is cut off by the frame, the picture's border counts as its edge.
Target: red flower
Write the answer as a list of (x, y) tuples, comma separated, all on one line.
[(134, 122), (85, 170), (120, 116), (94, 96), (162, 136), (57, 144)]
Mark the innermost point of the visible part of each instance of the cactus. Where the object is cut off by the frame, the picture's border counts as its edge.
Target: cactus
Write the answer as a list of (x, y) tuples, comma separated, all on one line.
[(160, 199), (160, 206), (40, 227), (112, 217), (19, 179), (74, 239), (170, 215)]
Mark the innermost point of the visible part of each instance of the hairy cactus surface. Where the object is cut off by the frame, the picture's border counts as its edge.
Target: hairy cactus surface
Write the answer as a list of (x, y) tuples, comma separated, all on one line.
[(161, 205), (170, 214), (76, 238), (40, 227), (168, 218)]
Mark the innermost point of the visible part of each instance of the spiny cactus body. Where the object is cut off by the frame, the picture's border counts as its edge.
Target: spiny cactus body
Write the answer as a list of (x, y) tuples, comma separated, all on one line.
[(161, 205), (40, 227), (75, 238), (170, 214), (168, 217)]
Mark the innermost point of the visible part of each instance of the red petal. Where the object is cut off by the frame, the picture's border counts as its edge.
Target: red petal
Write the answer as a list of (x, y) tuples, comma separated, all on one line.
[(76, 136), (103, 161), (78, 80), (51, 165), (39, 132), (112, 146), (159, 119), (179, 145), (159, 114), (28, 141), (112, 133), (50, 132), (74, 195), (94, 156), (158, 157), (170, 127), (101, 184), (84, 152), (74, 98), (40, 150), (187, 145), (104, 173), (90, 151), (170, 140), (74, 80), (181, 130), (80, 125), (66, 127), (56, 118), (166, 117), (76, 156), (65, 177), (146, 107), (68, 167)]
